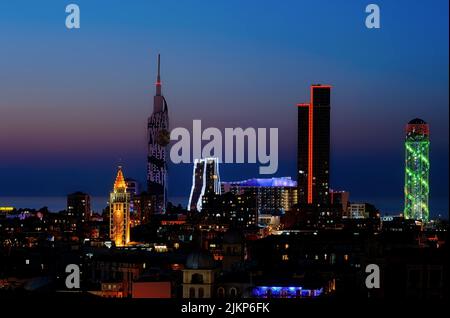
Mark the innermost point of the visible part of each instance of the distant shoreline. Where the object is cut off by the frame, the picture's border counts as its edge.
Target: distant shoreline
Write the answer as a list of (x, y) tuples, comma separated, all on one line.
[(388, 206), (58, 203)]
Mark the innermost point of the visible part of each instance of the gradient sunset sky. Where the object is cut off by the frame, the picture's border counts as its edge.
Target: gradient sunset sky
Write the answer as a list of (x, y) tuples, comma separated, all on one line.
[(74, 103)]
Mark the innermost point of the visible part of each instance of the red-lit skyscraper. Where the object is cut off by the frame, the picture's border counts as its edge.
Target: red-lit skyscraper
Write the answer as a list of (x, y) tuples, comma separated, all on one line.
[(313, 159)]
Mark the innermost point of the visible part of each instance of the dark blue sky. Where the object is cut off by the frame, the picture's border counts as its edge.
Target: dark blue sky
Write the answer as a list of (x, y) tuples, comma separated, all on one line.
[(74, 103)]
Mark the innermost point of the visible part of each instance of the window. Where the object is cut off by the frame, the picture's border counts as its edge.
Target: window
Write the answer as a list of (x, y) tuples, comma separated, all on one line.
[(233, 292), (201, 292), (192, 292), (220, 292), (197, 278)]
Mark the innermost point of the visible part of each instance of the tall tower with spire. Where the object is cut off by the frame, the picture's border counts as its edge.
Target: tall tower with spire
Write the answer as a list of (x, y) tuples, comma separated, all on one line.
[(119, 211), (158, 139)]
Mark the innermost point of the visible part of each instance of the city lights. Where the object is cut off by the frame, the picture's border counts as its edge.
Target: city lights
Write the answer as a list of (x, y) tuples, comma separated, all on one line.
[(283, 178)]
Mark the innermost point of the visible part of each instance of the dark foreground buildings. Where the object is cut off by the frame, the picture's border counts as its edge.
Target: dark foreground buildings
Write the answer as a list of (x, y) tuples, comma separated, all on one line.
[(194, 258)]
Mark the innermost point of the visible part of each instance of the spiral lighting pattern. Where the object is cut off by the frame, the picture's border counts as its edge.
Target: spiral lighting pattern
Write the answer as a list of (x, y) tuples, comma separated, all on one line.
[(417, 169)]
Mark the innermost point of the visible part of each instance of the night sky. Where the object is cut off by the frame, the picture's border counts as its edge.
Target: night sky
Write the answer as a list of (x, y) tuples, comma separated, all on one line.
[(74, 103)]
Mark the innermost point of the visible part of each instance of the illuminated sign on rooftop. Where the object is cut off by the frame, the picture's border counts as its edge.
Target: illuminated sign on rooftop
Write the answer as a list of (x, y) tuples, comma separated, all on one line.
[(268, 182)]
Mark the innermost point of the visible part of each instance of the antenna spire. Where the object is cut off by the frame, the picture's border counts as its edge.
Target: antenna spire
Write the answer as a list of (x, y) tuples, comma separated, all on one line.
[(158, 78), (159, 64)]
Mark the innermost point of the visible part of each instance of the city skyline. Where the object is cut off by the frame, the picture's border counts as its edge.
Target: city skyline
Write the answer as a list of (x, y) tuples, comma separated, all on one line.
[(365, 96), (224, 157)]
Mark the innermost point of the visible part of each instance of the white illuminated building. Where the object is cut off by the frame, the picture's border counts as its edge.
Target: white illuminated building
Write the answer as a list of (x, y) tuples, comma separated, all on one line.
[(205, 180)]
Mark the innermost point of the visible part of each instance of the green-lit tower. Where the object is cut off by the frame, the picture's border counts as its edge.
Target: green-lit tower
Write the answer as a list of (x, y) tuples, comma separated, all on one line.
[(417, 169)]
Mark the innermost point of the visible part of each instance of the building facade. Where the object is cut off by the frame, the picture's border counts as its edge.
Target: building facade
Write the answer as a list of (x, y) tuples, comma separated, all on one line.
[(119, 212), (143, 208), (79, 206), (133, 190), (273, 196), (417, 169), (340, 198), (357, 211), (199, 275), (236, 210), (313, 159), (158, 139), (205, 180), (132, 186)]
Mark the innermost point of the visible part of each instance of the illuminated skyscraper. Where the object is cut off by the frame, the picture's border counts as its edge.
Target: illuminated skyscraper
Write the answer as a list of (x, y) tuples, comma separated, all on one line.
[(417, 168), (313, 159), (158, 139), (205, 180), (119, 211)]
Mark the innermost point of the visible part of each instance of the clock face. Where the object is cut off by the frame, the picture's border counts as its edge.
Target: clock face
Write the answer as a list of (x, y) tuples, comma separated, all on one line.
[(163, 137)]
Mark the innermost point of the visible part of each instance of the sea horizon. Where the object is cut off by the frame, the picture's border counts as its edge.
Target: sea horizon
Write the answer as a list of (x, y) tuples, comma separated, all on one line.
[(59, 203), (387, 206)]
